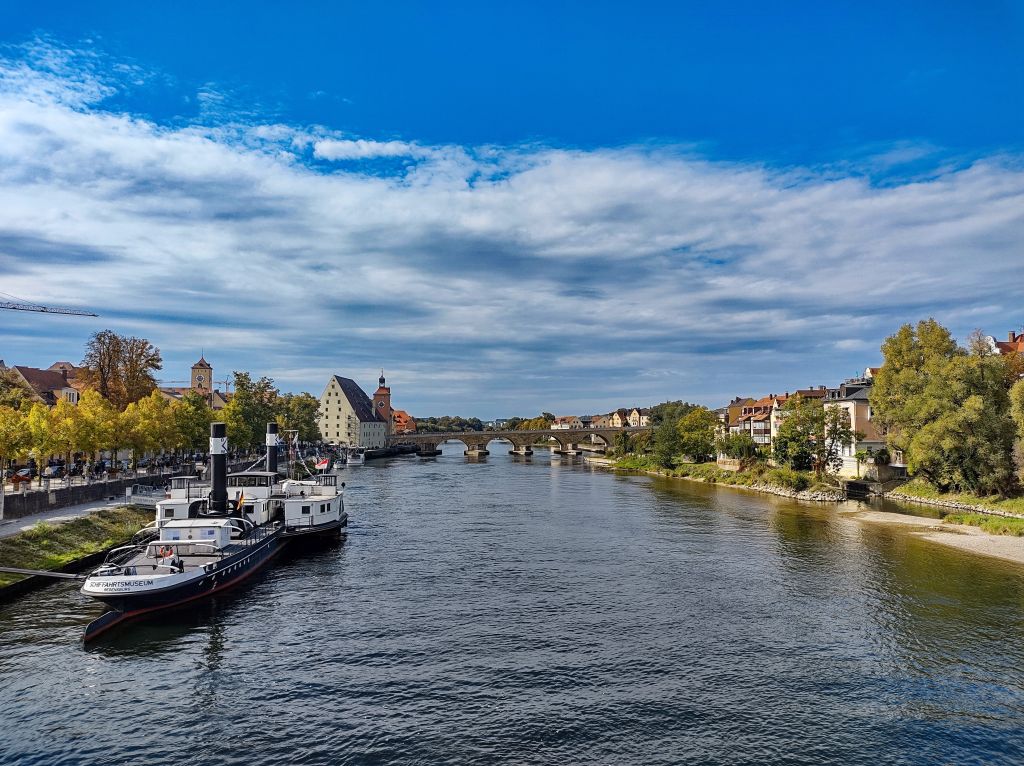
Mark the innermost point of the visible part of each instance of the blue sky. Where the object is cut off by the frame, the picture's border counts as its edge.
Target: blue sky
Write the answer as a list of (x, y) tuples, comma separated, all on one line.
[(567, 208)]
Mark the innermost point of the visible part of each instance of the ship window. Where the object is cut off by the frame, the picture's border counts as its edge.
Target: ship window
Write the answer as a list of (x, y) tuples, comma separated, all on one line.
[(305, 509), (323, 508), (169, 513)]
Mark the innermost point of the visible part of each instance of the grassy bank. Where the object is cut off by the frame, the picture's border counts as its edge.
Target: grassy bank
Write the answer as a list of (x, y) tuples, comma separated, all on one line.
[(994, 525), (50, 546), (759, 474), (918, 489)]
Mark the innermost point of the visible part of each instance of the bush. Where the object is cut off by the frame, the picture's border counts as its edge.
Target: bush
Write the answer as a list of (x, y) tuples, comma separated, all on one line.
[(787, 477)]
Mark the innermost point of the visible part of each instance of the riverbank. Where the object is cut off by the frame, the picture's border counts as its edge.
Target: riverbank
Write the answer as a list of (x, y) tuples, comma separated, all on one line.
[(797, 486), (56, 546), (917, 491), (960, 536)]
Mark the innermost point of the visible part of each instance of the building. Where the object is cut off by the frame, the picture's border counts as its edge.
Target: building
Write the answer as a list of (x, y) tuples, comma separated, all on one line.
[(1014, 343), (48, 386), (201, 382), (729, 415), (853, 397), (566, 423), (639, 417), (600, 421), (402, 422), (382, 404), (619, 418), (347, 416)]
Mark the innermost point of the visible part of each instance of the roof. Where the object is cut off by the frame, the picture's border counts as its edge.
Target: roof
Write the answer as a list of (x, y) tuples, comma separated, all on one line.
[(202, 363), (357, 398), (43, 382)]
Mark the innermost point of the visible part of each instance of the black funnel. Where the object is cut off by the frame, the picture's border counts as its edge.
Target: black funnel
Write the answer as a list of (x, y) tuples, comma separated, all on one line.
[(219, 467), (272, 447)]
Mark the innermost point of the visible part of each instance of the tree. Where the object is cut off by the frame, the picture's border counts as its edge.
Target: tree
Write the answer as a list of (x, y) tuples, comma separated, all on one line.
[(39, 435), (697, 434), (669, 411), (65, 425), (623, 443), (150, 425), (252, 406), (192, 417), (299, 412), (96, 424), (13, 390), (540, 423), (948, 408), (812, 436), (667, 443), (739, 446), (12, 442), (120, 368)]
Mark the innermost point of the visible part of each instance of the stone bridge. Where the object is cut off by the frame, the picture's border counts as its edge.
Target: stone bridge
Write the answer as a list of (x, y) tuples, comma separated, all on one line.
[(476, 441)]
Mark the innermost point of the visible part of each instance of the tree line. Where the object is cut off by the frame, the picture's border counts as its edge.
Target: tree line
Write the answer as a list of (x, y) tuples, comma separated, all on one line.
[(121, 408)]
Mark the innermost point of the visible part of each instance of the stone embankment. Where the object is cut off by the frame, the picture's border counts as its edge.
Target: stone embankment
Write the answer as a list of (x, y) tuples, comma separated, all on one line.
[(954, 505), (816, 495)]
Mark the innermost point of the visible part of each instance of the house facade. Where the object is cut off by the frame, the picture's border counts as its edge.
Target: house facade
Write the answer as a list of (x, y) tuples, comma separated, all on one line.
[(853, 398), (347, 416), (639, 417), (566, 423), (48, 386)]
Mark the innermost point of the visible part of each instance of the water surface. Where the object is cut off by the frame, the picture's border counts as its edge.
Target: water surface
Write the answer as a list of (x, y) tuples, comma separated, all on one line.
[(533, 613)]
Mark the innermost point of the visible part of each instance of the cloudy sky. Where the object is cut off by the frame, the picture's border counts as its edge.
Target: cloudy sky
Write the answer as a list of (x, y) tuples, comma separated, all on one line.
[(512, 210)]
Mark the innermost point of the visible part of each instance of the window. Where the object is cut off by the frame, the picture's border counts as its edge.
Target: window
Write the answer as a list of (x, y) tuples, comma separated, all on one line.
[(169, 513), (305, 509), (323, 508)]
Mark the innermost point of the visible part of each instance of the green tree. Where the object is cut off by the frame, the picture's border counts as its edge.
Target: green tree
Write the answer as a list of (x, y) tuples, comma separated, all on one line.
[(540, 423), (96, 418), (299, 412), (12, 442), (697, 434), (669, 412), (151, 425), (65, 426), (623, 443), (667, 443), (192, 417), (812, 436), (948, 408), (252, 406), (40, 436), (738, 446)]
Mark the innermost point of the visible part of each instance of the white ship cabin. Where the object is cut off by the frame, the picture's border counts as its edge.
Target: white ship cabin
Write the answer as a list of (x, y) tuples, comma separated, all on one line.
[(184, 491), (199, 536), (251, 484), (311, 503)]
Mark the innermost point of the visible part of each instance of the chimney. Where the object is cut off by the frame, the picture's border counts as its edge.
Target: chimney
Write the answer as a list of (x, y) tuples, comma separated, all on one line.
[(219, 467), (64, 373), (272, 447), (1013, 336)]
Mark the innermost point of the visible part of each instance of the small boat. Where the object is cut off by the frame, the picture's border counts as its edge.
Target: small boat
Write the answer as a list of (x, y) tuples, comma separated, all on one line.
[(356, 456), (312, 508)]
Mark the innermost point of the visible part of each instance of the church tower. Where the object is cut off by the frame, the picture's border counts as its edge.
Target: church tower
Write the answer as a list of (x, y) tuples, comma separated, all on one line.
[(382, 404), (202, 376)]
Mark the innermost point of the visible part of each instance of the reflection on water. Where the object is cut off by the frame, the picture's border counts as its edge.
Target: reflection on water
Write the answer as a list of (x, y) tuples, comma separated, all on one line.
[(536, 611)]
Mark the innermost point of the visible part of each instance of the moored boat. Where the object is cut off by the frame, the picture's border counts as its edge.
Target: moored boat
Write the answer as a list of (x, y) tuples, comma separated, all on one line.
[(202, 545)]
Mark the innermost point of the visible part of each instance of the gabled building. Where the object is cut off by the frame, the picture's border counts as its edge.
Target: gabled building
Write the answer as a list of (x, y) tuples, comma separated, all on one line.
[(347, 416), (639, 417), (402, 422), (619, 418), (566, 423), (853, 397), (51, 385)]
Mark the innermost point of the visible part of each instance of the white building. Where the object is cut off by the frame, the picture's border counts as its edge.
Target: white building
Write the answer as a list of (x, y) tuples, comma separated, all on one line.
[(348, 417)]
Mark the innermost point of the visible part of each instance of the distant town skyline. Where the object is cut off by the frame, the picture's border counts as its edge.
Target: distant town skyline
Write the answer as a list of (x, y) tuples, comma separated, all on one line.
[(570, 209)]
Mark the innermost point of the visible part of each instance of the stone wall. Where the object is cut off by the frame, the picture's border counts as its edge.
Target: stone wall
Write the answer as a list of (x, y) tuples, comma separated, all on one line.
[(17, 505)]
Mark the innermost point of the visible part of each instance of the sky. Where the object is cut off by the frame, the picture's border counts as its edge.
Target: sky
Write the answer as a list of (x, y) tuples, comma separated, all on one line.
[(568, 207)]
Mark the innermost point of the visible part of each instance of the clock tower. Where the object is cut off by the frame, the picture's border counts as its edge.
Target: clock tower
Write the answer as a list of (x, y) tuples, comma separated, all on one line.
[(202, 376), (382, 403)]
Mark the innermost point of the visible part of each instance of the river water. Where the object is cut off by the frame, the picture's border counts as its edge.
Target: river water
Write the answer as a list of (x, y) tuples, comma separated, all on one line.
[(531, 612)]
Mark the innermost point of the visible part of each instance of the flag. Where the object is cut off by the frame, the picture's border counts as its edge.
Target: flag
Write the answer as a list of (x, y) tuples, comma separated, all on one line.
[(322, 464), (239, 501)]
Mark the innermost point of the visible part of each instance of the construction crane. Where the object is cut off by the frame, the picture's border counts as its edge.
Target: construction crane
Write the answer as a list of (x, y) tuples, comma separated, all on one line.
[(25, 306)]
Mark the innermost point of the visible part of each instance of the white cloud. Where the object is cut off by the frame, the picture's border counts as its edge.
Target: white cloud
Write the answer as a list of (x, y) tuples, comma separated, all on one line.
[(474, 272)]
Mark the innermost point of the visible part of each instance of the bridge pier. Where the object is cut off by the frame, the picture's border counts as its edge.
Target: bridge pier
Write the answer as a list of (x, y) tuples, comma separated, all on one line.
[(568, 449), (476, 452), (527, 450), (428, 450)]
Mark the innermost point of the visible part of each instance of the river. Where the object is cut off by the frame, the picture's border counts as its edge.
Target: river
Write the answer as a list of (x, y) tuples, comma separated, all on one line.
[(531, 612)]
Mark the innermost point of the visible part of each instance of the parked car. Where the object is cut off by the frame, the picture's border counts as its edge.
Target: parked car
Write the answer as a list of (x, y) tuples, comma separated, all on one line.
[(23, 475), (53, 472)]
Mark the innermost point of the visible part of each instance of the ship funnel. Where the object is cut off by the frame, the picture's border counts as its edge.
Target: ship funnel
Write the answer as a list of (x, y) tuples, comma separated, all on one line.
[(272, 447), (219, 467)]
